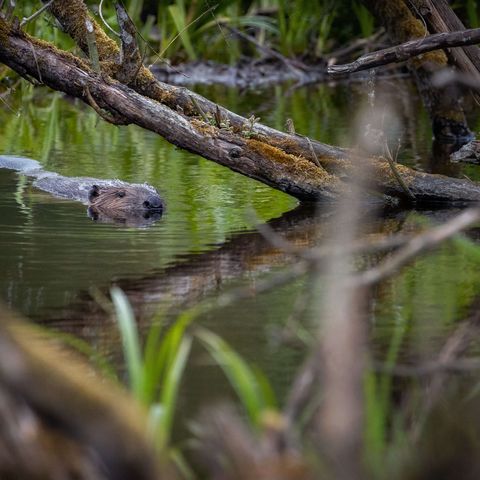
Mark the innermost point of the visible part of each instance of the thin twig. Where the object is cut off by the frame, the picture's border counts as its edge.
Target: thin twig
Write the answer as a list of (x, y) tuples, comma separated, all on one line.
[(100, 13), (25, 20), (314, 155), (2, 99), (107, 116), (36, 63), (396, 174), (355, 45), (199, 109), (294, 65), (162, 53)]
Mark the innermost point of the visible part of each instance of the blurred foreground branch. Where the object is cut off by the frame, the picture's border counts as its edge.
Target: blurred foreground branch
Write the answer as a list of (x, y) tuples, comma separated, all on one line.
[(57, 421)]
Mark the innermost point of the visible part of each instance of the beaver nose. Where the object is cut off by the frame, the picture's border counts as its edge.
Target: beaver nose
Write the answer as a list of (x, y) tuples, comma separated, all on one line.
[(153, 203)]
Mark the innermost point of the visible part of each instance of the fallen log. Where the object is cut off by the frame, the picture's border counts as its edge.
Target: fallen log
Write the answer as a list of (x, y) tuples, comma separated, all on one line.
[(281, 160)]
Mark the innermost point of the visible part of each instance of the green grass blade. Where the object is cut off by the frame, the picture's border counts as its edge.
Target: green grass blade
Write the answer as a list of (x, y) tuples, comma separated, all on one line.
[(178, 17), (159, 354), (169, 393), (241, 376), (130, 340)]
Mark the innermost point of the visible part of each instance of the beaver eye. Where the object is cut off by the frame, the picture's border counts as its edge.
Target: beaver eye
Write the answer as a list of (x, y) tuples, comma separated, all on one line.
[(120, 194)]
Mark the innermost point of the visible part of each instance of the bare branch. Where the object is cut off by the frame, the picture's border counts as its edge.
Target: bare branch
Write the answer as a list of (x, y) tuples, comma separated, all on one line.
[(25, 20), (407, 50)]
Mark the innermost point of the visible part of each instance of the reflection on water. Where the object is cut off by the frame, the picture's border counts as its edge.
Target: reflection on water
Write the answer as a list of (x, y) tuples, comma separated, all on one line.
[(53, 255)]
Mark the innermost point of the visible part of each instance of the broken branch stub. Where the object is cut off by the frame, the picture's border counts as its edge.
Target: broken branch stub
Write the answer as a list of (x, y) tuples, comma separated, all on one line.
[(92, 46), (130, 59)]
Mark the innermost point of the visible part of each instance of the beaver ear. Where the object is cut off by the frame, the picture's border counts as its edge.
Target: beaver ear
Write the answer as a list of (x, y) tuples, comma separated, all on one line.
[(93, 192)]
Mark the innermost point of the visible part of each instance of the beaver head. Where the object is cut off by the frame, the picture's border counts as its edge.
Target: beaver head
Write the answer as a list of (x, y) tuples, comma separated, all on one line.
[(122, 200)]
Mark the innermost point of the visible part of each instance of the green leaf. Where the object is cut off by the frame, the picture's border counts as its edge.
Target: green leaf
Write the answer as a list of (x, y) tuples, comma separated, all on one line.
[(130, 340), (250, 387)]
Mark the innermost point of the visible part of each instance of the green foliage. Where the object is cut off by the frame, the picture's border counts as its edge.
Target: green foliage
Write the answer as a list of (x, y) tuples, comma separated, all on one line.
[(472, 12), (189, 29), (154, 371), (423, 305), (252, 387), (177, 12), (365, 19)]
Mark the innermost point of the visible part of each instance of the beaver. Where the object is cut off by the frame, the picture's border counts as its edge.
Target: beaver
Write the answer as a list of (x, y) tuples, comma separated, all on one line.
[(108, 200)]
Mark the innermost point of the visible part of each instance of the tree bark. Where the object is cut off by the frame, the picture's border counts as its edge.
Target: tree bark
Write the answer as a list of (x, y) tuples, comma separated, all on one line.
[(441, 18), (443, 103)]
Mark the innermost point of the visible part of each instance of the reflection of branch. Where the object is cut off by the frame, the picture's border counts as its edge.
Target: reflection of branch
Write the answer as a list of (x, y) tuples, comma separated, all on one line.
[(448, 361), (407, 50), (319, 254), (418, 245), (411, 247)]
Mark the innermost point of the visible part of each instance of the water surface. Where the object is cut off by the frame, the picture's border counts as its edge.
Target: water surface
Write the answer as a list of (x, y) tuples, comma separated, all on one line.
[(55, 260)]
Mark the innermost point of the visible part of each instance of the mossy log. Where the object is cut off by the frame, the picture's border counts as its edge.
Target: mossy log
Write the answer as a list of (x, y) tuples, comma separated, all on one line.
[(275, 158)]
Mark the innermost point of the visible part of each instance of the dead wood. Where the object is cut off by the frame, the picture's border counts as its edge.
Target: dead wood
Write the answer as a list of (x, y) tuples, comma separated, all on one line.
[(444, 103), (441, 18), (407, 50)]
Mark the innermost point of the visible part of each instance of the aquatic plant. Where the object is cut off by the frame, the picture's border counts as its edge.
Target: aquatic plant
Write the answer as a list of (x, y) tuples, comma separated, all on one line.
[(179, 30), (154, 370)]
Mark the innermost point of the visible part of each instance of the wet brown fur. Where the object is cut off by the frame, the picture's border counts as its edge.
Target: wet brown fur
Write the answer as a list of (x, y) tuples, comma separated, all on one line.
[(123, 199)]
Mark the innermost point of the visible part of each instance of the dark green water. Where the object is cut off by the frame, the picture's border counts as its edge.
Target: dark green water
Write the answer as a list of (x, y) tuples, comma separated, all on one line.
[(54, 258)]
